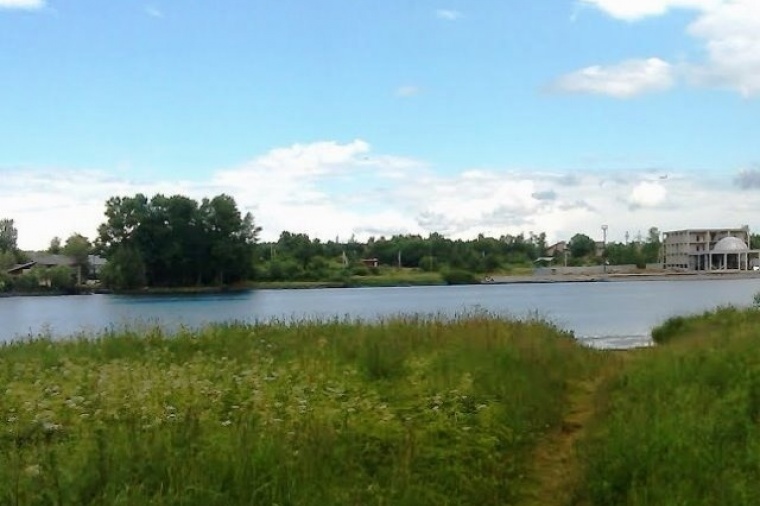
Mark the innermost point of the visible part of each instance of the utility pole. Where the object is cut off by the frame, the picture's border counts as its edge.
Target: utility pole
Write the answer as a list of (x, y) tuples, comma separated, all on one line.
[(604, 248)]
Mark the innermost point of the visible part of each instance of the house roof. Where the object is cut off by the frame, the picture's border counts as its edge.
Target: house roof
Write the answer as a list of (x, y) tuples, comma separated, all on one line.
[(48, 260), (20, 267)]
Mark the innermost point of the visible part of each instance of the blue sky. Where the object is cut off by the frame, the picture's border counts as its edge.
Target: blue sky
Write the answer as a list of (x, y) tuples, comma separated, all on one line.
[(369, 118)]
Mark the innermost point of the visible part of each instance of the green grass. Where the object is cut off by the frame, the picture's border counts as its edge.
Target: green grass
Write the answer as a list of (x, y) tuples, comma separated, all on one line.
[(681, 423), (410, 411), (399, 277)]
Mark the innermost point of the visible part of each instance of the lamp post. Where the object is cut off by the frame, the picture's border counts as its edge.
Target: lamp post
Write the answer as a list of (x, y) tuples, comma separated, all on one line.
[(604, 248)]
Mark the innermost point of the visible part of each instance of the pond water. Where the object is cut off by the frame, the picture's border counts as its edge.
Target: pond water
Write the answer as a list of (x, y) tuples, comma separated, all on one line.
[(602, 314)]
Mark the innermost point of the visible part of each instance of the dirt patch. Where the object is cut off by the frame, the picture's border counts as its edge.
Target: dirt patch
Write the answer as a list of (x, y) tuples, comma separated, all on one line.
[(554, 472)]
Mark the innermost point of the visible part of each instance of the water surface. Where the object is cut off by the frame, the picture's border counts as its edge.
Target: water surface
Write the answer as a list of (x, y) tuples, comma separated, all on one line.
[(604, 314)]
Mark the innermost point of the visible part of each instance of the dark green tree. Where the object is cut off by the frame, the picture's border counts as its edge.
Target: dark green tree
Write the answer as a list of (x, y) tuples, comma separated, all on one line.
[(125, 269), (178, 241), (55, 246), (581, 245), (8, 236)]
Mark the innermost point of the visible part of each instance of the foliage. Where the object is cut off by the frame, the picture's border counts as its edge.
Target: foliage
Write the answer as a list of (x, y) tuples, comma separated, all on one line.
[(174, 241), (680, 424), (292, 257), (6, 282), (8, 236), (581, 245), (79, 248), (37, 280), (55, 246), (7, 260), (412, 411), (459, 277), (125, 270)]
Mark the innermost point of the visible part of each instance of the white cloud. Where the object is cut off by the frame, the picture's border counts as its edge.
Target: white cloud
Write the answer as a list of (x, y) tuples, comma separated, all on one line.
[(623, 80), (22, 4), (448, 14), (728, 29), (633, 10), (329, 189), (731, 34), (153, 11), (648, 194), (407, 91)]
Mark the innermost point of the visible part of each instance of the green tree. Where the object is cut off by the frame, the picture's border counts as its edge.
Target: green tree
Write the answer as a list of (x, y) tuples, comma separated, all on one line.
[(125, 269), (581, 245), (7, 260), (55, 246), (8, 236), (650, 251), (178, 241), (79, 248)]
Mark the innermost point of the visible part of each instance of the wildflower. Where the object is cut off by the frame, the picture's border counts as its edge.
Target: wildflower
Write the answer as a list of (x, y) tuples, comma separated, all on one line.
[(32, 470), (50, 427)]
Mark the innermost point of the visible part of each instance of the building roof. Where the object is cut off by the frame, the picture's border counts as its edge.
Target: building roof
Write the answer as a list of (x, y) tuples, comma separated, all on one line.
[(47, 260), (18, 268), (730, 245), (726, 229)]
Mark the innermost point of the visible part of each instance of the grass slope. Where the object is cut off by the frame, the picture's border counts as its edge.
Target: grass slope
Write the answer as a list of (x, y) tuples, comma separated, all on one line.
[(412, 411), (681, 423)]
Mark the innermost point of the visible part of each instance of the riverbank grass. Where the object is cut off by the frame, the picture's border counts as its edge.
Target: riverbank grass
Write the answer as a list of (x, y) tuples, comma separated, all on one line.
[(409, 411), (681, 423)]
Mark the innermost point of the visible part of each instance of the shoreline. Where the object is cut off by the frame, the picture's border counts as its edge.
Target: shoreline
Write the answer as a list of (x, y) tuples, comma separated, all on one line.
[(489, 280), (618, 277)]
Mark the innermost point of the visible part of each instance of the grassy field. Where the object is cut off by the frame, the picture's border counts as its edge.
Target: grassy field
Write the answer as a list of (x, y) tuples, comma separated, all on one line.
[(681, 423), (412, 411)]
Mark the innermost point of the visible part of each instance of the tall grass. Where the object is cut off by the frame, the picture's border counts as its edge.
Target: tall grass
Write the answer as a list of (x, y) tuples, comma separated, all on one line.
[(408, 411), (681, 424)]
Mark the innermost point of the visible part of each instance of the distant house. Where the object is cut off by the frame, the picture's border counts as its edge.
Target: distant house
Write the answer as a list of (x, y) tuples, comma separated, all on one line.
[(370, 262), (556, 249), (19, 269), (48, 260)]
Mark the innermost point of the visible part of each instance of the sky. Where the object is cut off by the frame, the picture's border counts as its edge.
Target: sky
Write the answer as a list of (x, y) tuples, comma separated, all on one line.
[(364, 118)]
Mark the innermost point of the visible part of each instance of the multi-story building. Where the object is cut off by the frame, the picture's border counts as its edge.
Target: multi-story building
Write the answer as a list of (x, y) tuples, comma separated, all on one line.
[(712, 249)]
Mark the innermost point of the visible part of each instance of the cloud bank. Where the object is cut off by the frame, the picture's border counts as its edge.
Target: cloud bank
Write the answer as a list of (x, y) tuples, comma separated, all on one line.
[(329, 189)]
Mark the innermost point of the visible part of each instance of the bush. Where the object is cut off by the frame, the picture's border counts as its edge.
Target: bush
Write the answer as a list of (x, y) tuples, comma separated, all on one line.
[(459, 277), (6, 282)]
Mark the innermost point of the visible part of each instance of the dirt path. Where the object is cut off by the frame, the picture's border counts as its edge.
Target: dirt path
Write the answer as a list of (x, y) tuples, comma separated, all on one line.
[(555, 471)]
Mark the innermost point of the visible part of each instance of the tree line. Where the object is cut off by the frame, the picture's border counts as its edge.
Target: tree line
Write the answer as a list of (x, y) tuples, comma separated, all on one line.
[(177, 241)]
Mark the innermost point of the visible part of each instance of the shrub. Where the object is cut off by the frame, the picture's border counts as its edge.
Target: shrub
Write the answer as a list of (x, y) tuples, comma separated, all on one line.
[(459, 277)]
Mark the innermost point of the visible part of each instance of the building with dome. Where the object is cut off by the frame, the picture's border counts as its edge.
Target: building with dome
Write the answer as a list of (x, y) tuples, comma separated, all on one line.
[(715, 249)]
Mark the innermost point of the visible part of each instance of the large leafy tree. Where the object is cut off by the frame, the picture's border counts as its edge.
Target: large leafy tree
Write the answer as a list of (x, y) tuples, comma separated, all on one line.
[(171, 241), (581, 245)]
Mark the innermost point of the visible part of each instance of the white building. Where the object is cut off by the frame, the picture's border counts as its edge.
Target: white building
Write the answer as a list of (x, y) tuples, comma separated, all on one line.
[(714, 249)]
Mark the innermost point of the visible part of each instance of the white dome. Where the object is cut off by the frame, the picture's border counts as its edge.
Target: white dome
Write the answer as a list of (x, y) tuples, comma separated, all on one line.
[(730, 245)]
